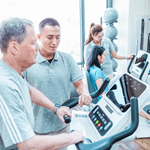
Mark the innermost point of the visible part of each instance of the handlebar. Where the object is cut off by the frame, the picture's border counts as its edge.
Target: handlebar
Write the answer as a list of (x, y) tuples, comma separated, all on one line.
[(106, 144), (74, 101), (144, 68), (130, 64)]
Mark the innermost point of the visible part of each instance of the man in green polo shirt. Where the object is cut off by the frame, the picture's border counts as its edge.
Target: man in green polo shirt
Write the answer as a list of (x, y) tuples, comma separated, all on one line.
[(52, 75)]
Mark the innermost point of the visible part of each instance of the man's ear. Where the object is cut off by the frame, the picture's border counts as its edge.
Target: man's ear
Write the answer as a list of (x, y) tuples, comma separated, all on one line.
[(39, 37), (13, 47)]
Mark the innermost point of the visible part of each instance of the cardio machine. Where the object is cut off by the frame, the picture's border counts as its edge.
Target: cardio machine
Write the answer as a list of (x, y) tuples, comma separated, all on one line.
[(106, 118), (139, 67), (106, 143)]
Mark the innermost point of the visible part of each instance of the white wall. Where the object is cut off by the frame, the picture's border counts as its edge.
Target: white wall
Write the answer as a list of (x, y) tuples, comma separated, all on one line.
[(137, 8), (129, 11)]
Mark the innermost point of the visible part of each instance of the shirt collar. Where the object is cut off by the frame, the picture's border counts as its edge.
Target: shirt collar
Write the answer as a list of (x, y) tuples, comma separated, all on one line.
[(9, 68), (92, 43), (41, 59)]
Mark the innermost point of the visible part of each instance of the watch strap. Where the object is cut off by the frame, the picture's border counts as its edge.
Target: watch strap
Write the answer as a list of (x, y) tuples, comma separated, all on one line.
[(56, 107)]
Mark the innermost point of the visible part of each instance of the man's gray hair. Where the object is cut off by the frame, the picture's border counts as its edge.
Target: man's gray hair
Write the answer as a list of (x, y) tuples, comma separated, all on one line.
[(13, 29)]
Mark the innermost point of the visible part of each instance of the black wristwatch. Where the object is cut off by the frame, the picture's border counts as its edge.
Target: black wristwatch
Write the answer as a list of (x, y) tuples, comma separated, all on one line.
[(56, 107)]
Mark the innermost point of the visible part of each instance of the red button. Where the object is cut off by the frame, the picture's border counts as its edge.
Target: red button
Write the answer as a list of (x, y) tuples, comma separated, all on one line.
[(99, 125)]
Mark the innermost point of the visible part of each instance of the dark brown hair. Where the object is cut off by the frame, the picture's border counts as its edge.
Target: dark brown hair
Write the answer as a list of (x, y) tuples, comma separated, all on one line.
[(94, 30), (48, 21)]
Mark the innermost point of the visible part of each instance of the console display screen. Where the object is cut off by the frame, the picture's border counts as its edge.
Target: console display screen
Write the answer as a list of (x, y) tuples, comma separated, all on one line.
[(141, 59), (125, 88)]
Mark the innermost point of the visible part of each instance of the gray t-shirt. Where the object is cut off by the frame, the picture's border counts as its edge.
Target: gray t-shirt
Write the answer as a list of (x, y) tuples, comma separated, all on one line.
[(16, 113), (53, 80), (107, 64)]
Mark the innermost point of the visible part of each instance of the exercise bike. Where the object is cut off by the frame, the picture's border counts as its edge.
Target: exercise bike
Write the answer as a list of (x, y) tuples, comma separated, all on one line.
[(139, 67), (106, 118)]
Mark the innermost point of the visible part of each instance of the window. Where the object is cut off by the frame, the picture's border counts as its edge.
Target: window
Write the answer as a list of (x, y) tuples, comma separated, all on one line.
[(94, 9), (65, 11)]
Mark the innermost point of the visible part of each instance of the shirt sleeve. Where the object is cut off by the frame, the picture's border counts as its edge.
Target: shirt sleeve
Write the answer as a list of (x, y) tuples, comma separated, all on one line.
[(14, 124), (87, 51), (98, 74), (111, 47), (75, 72)]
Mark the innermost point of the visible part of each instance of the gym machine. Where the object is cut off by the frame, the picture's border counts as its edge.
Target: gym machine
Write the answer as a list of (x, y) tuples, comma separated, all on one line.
[(106, 118)]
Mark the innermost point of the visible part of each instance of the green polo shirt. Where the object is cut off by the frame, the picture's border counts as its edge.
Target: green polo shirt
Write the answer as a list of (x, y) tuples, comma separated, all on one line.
[(107, 64), (16, 113), (53, 80)]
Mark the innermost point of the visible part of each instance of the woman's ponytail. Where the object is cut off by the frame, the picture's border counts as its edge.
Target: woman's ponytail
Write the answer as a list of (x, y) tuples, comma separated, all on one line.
[(90, 38)]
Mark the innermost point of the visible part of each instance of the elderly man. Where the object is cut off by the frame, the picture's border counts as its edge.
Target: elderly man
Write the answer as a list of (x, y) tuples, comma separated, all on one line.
[(18, 43)]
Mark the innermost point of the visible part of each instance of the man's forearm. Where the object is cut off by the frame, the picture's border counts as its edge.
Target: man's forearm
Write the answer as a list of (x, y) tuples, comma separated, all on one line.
[(85, 98), (52, 142), (46, 142), (82, 88), (40, 99)]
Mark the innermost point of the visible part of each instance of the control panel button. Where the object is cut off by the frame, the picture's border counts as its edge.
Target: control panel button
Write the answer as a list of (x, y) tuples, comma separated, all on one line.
[(95, 119), (97, 122), (100, 120), (106, 127), (105, 122), (101, 127), (93, 116)]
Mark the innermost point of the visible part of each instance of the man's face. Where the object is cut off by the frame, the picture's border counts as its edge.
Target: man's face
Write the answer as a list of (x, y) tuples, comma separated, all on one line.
[(50, 39), (28, 48)]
